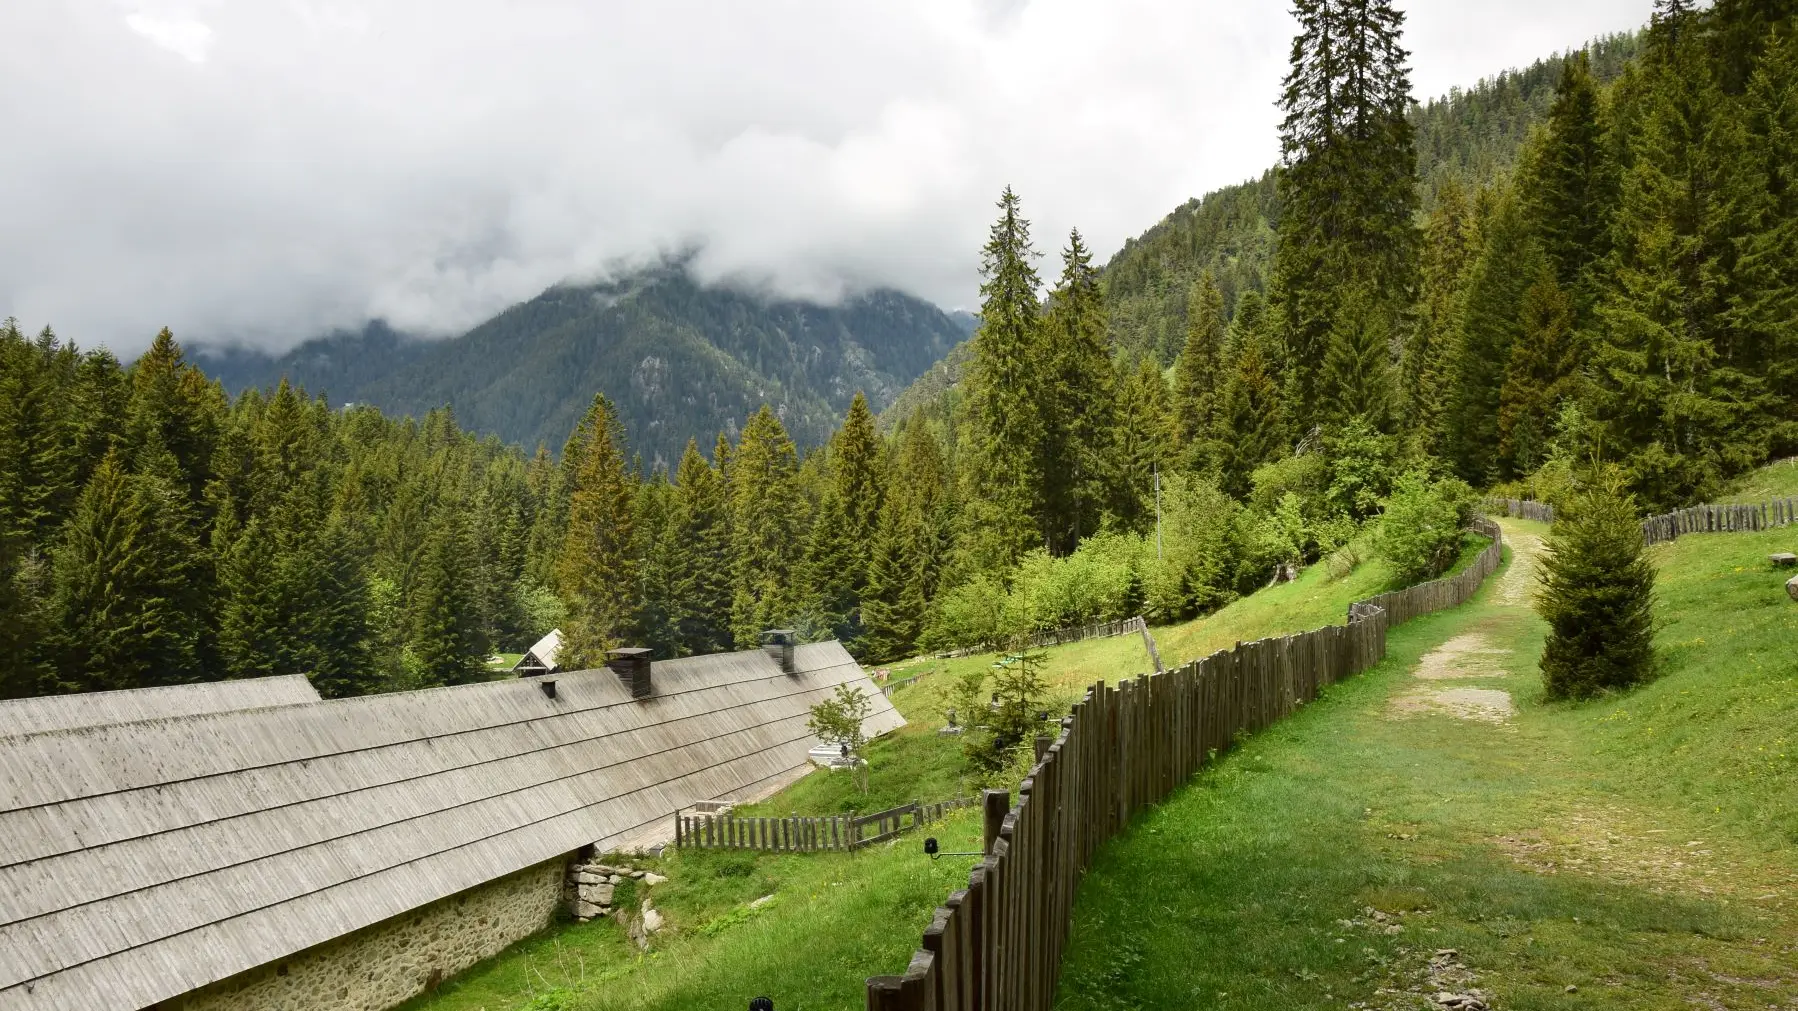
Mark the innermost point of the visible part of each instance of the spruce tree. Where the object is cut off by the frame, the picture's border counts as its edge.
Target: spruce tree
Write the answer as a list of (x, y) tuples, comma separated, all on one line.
[(1450, 242), (597, 572), (123, 606), (704, 578), (1007, 386), (1667, 388), (1197, 379), (1251, 419), (1078, 415), (446, 644), (1597, 595), (1537, 378), (1357, 369), (175, 407), (660, 566), (1490, 317), (1347, 178), (1569, 186), (1144, 443), (908, 547), (768, 519)]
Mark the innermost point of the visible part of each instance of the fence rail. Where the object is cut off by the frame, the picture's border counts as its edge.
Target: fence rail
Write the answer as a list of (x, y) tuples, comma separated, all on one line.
[(800, 834), (997, 945)]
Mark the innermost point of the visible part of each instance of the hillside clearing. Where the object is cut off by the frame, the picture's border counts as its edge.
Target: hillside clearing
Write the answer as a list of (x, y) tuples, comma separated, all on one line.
[(1632, 852)]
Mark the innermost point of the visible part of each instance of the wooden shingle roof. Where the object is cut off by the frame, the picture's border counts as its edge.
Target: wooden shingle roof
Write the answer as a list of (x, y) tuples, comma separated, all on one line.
[(92, 709), (139, 861)]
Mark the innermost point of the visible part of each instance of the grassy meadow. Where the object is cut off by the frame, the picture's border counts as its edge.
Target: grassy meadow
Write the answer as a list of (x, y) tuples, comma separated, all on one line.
[(1405, 836)]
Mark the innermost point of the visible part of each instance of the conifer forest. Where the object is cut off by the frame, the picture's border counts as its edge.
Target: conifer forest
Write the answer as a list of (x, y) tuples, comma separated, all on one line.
[(1589, 263)]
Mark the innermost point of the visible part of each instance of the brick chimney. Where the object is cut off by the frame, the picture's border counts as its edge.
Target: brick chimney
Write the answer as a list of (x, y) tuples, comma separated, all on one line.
[(778, 644), (631, 664)]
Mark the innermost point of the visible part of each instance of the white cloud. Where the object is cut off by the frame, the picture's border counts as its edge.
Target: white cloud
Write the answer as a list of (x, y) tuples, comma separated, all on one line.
[(312, 163)]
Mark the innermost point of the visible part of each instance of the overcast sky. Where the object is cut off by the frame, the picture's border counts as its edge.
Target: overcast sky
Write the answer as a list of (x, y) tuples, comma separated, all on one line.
[(265, 170)]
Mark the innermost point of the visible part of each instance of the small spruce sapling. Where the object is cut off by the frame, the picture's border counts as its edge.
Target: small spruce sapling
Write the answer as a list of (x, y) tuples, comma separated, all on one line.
[(1597, 595)]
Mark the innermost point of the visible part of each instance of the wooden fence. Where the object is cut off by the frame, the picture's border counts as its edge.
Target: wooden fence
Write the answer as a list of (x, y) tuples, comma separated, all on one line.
[(1062, 636), (1705, 519), (1698, 519), (1523, 509), (997, 945), (796, 834)]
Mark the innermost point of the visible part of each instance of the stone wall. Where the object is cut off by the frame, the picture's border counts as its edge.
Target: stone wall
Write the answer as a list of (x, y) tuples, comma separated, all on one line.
[(396, 959)]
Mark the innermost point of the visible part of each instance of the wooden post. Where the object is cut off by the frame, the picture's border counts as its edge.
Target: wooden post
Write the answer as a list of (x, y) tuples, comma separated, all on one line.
[(995, 803)]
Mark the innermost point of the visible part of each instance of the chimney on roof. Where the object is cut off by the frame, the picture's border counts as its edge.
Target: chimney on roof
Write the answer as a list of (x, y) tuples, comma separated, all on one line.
[(778, 643), (631, 664)]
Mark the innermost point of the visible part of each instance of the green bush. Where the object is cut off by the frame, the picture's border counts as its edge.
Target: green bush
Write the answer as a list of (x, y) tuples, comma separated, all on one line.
[(1419, 534), (1597, 595)]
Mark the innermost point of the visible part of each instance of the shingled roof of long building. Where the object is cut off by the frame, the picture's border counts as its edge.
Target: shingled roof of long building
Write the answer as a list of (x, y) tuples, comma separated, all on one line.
[(92, 709), (142, 860)]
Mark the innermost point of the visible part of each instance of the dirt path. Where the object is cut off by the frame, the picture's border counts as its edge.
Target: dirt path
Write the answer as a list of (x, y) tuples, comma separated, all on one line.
[(1474, 655)]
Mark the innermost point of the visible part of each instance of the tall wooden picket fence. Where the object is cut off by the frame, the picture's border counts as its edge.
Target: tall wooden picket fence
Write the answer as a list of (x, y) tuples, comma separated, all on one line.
[(997, 945), (797, 834)]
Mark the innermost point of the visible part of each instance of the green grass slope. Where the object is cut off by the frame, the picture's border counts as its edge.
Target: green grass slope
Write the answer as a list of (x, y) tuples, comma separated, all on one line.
[(1382, 847)]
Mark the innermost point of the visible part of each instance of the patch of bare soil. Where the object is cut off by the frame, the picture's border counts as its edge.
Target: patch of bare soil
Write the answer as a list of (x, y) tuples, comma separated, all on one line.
[(1485, 705)]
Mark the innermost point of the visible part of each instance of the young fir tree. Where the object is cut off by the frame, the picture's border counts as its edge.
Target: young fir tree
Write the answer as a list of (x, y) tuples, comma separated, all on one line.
[(123, 608), (1450, 242), (1079, 422), (767, 523), (703, 545), (856, 471), (597, 572), (1597, 596), (1006, 386), (1347, 179), (1197, 379), (1537, 378), (175, 407)]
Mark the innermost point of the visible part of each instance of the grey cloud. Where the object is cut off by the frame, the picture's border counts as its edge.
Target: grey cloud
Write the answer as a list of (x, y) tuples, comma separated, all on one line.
[(266, 170)]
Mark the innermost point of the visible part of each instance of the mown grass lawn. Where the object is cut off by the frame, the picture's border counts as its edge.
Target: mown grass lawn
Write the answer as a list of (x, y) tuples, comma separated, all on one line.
[(1634, 852)]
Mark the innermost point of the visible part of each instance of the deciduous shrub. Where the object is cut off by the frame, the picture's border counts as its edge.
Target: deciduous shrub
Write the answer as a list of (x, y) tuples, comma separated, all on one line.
[(1419, 534)]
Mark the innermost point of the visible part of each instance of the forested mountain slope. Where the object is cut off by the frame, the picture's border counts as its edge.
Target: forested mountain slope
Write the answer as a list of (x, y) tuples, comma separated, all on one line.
[(1471, 137), (677, 359)]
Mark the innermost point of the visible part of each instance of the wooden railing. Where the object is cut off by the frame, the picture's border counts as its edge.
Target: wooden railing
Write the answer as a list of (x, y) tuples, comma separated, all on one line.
[(804, 834), (997, 945)]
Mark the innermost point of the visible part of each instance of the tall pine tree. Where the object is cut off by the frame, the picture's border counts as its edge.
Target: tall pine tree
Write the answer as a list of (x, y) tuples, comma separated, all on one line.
[(768, 519), (597, 571), (1078, 414), (1197, 373)]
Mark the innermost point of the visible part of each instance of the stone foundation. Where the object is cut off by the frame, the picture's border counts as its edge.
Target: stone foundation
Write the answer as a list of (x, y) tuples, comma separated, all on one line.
[(380, 966)]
